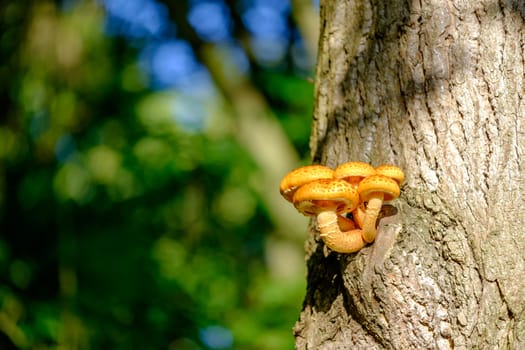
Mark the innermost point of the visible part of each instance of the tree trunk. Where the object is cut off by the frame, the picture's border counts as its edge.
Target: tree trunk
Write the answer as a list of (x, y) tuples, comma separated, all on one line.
[(437, 88)]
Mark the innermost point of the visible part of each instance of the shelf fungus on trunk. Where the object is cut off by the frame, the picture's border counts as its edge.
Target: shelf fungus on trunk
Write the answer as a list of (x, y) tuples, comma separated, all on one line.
[(329, 195), (328, 200)]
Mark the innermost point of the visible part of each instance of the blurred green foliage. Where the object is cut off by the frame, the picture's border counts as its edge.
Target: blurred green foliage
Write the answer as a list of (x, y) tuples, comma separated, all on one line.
[(119, 227)]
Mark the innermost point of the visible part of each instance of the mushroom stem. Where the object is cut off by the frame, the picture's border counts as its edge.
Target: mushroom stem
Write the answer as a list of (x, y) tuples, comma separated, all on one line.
[(373, 208), (335, 239), (359, 215)]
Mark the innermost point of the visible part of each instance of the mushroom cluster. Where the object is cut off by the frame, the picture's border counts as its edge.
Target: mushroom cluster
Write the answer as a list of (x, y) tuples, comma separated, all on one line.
[(353, 187)]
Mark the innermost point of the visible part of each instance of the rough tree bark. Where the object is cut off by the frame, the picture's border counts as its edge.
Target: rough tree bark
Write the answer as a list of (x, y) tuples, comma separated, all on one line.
[(437, 88)]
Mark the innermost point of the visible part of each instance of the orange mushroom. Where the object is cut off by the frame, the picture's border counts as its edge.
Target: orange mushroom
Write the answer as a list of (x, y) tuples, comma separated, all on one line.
[(334, 238), (353, 172), (303, 175), (374, 190), (329, 194), (392, 172), (359, 215), (328, 199)]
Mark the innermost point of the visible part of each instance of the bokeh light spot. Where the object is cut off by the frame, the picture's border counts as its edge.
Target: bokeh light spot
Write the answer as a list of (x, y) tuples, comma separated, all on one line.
[(103, 164), (216, 337), (211, 20), (171, 257), (235, 205), (136, 18), (266, 22), (170, 63), (268, 51), (72, 181)]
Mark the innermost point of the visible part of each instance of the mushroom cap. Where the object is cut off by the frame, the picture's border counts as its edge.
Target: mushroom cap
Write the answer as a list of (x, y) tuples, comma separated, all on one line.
[(353, 171), (303, 175), (322, 195), (378, 183), (392, 172)]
